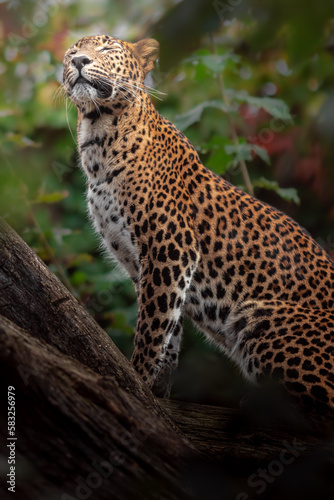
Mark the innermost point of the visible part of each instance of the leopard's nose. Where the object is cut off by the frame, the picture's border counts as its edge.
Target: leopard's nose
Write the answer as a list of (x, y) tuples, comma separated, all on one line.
[(80, 61)]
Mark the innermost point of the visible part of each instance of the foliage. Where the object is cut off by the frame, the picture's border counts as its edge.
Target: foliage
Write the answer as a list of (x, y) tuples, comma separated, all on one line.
[(254, 88)]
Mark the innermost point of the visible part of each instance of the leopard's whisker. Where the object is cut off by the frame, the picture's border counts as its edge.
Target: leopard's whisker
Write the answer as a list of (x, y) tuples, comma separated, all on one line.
[(105, 84), (59, 93), (148, 90), (135, 98), (68, 122)]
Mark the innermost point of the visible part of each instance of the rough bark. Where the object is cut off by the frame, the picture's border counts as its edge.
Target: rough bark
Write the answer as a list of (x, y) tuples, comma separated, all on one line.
[(32, 297), (80, 404), (228, 434), (78, 397), (69, 417)]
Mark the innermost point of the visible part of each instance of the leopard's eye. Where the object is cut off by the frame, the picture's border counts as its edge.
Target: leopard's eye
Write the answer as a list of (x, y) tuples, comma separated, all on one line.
[(116, 47), (72, 52)]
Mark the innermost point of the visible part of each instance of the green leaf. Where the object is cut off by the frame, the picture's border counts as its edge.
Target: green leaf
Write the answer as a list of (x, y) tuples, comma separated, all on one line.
[(262, 153), (51, 197), (214, 62), (219, 159), (225, 154), (288, 194), (217, 141), (275, 107), (192, 116), (242, 152), (78, 277)]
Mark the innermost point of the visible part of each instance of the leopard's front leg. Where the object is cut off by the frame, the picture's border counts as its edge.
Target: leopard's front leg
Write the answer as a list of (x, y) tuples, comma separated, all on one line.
[(164, 380), (166, 274)]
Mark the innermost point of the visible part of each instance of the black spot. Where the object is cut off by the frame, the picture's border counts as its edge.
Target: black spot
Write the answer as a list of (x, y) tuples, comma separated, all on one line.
[(162, 303), (159, 236), (162, 254), (176, 272), (114, 174), (240, 325), (292, 373), (295, 387), (156, 277), (144, 250), (223, 313), (280, 357), (294, 361), (166, 276), (188, 238), (263, 346), (150, 309), (220, 291), (310, 377), (181, 283), (320, 393), (150, 291), (211, 312), (173, 253), (157, 340), (307, 365), (155, 326)]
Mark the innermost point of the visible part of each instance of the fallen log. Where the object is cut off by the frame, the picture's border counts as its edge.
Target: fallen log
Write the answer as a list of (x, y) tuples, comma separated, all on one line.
[(78, 431)]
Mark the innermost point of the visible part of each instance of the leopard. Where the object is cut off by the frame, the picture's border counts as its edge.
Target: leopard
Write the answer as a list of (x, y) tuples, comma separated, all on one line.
[(248, 276)]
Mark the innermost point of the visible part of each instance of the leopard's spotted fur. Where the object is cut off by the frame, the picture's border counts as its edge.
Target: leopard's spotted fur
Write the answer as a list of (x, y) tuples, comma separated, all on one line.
[(246, 274)]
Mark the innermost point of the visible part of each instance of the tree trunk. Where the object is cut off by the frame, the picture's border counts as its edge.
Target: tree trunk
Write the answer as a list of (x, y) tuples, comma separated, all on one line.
[(87, 427)]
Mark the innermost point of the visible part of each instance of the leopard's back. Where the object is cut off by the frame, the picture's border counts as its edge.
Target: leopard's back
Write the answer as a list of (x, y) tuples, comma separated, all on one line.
[(263, 291)]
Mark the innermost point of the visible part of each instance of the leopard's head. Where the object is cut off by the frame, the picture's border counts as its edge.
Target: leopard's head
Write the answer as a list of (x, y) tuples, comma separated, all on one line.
[(106, 71)]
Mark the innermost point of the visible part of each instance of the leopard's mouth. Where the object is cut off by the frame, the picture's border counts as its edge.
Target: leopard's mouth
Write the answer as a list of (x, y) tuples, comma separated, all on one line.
[(103, 90)]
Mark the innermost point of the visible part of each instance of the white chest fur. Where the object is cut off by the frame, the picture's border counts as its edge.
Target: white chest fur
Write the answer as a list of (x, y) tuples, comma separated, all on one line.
[(106, 211), (113, 226)]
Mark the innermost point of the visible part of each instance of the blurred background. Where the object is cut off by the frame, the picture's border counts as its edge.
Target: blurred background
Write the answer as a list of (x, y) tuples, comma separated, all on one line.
[(251, 83)]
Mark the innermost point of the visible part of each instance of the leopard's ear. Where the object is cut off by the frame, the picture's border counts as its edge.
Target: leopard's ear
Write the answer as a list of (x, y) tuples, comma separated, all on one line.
[(147, 51)]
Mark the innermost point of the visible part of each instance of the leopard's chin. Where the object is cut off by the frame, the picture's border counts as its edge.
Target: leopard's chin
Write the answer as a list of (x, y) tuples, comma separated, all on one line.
[(92, 91), (82, 93)]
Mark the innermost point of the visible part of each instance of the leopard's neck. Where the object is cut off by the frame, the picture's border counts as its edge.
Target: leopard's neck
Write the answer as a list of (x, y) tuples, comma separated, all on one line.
[(107, 136)]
